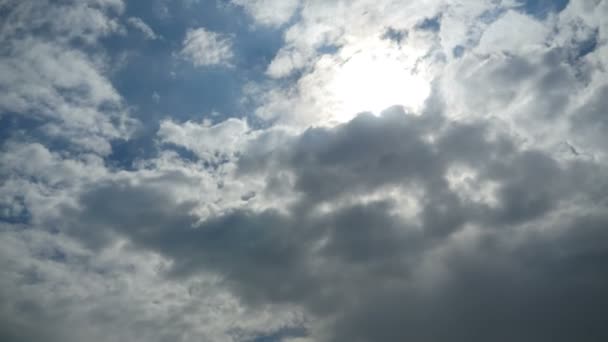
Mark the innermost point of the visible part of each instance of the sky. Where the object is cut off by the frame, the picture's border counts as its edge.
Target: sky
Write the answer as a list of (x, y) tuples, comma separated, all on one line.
[(303, 170)]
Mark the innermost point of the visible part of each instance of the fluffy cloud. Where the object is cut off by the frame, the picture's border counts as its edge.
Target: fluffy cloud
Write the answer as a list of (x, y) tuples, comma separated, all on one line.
[(209, 142), (358, 265), (77, 281), (72, 293), (500, 36), (48, 80)]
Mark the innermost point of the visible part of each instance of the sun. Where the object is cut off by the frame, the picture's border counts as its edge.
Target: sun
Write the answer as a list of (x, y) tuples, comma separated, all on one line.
[(375, 79)]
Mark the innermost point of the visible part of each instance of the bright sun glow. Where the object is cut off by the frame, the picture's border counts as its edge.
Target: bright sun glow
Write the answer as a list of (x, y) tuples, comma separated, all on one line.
[(375, 81)]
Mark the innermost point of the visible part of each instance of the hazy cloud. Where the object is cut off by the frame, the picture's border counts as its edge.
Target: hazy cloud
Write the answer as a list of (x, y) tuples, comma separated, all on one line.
[(141, 26), (204, 48)]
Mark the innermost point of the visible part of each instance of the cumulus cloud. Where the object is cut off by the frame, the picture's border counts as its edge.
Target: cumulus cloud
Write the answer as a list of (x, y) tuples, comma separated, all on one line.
[(51, 80), (70, 293), (209, 142), (500, 36), (358, 266), (205, 48), (75, 281)]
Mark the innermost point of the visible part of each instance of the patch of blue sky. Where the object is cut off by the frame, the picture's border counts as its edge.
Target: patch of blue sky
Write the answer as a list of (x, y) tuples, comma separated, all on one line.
[(281, 334), (588, 45), (12, 125), (16, 213), (542, 8), (23, 127), (157, 84), (430, 24)]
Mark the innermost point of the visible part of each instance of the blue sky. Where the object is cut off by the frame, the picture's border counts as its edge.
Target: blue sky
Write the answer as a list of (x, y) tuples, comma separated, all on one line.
[(303, 170)]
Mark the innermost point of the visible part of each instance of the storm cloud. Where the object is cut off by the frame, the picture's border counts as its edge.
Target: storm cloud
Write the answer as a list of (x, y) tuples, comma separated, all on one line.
[(457, 269)]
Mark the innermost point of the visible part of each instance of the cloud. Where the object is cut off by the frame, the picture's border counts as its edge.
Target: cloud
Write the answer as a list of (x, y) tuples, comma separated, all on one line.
[(500, 36), (270, 12), (141, 26), (356, 265), (209, 142), (368, 76), (94, 272), (323, 24), (50, 80), (205, 48), (70, 293), (397, 171), (85, 21)]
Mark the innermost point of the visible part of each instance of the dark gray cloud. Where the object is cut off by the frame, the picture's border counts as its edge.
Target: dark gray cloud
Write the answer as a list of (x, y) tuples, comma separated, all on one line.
[(592, 121), (532, 271)]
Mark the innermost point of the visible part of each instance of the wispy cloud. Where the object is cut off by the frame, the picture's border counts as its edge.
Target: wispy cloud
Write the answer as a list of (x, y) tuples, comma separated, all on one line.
[(141, 26), (205, 48)]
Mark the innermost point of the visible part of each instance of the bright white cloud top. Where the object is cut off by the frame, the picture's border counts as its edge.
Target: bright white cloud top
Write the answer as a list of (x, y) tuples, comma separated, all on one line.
[(299, 171)]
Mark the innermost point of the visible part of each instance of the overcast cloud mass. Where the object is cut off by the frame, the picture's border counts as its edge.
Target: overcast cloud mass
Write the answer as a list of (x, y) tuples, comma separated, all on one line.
[(303, 170)]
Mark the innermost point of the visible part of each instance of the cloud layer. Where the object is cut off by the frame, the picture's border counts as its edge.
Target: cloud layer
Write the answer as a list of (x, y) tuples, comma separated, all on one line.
[(392, 171)]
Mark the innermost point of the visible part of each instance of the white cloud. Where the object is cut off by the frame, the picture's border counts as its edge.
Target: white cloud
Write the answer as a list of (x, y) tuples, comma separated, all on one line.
[(269, 12), (84, 20), (285, 62), (141, 26), (66, 88), (340, 23), (367, 72), (525, 73), (209, 142), (206, 48), (369, 75), (49, 79), (514, 67), (501, 35)]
